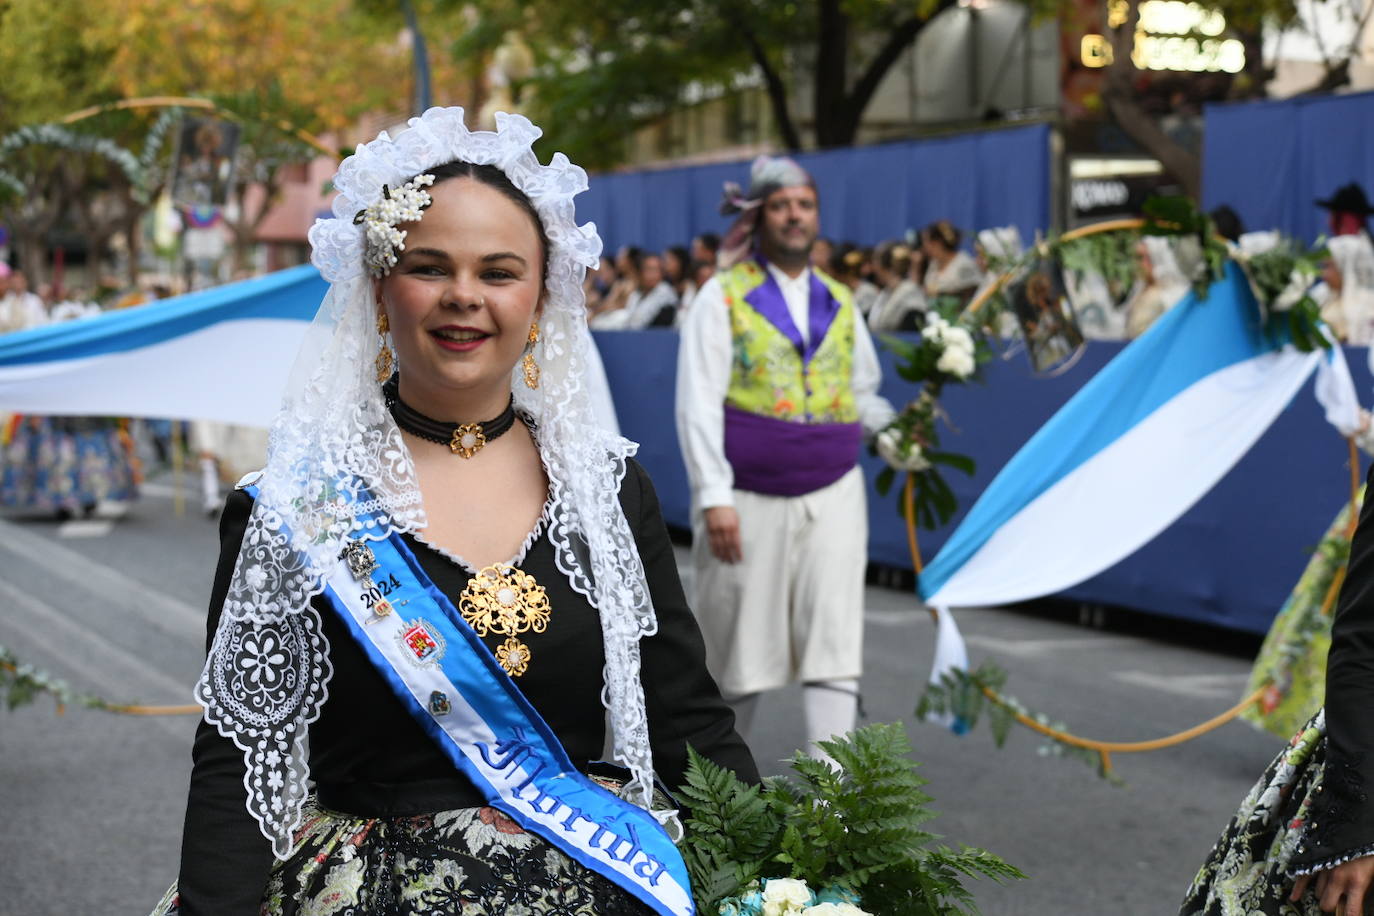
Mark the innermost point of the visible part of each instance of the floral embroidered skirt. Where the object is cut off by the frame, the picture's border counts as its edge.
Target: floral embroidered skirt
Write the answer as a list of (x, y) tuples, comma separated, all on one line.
[(1291, 665), (1246, 872), (65, 464), (469, 861)]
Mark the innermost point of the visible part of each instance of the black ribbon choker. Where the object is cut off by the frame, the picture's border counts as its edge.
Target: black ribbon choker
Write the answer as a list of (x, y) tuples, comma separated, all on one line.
[(465, 439)]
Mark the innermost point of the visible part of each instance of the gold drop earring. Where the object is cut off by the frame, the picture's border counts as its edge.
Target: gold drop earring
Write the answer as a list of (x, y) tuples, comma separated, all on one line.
[(385, 360), (530, 366)]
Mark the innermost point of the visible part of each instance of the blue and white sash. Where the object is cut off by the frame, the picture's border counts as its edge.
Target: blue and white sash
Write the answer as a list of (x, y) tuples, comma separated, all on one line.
[(450, 682)]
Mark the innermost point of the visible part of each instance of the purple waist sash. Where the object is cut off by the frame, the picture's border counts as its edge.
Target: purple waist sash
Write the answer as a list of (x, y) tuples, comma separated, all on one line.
[(781, 458)]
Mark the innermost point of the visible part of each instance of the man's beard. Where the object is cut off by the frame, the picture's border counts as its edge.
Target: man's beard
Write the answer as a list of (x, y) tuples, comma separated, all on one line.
[(784, 247)]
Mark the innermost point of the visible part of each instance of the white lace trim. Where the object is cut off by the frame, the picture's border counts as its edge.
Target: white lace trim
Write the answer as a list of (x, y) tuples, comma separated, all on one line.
[(535, 533), (335, 455)]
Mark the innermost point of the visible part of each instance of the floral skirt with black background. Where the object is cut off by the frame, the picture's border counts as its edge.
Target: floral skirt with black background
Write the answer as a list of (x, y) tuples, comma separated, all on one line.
[(1246, 873), (473, 861)]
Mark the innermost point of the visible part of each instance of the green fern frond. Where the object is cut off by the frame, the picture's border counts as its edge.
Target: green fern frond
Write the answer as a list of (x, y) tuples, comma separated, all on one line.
[(855, 823)]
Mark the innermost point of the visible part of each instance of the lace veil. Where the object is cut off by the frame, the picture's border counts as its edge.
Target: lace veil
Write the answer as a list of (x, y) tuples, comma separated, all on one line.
[(335, 452)]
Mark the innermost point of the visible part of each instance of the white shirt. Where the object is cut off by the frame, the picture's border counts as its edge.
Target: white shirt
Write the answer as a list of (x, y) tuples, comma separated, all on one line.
[(705, 357), (640, 310), (19, 311), (959, 275), (894, 304)]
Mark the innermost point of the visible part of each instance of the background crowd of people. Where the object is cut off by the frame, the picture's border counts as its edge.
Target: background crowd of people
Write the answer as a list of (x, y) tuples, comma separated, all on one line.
[(69, 466), (896, 282)]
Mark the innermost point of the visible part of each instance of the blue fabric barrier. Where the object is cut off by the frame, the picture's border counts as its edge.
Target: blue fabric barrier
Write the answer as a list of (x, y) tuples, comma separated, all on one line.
[(1271, 160), (868, 193), (1229, 561)]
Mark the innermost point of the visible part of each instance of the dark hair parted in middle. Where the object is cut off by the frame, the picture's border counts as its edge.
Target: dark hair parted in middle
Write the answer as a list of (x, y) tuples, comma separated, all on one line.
[(494, 178)]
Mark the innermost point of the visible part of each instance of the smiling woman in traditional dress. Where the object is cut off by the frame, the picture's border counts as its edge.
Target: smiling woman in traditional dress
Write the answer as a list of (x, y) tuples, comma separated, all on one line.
[(444, 572)]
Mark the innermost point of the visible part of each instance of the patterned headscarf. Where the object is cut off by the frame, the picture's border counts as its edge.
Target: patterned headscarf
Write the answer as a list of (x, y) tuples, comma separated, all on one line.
[(766, 175)]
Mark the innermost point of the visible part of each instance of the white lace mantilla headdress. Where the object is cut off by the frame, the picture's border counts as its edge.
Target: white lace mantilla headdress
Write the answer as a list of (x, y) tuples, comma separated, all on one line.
[(335, 452)]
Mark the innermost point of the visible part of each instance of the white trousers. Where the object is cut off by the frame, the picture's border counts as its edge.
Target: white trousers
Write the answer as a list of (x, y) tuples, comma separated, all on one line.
[(793, 609)]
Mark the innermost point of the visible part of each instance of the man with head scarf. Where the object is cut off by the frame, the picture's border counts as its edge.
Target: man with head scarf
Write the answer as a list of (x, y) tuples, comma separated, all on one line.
[(777, 386)]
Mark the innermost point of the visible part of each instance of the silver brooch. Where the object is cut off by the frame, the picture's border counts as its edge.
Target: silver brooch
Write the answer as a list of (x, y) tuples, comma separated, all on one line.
[(360, 559)]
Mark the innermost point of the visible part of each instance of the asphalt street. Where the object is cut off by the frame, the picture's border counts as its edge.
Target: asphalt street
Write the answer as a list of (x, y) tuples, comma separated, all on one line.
[(93, 802)]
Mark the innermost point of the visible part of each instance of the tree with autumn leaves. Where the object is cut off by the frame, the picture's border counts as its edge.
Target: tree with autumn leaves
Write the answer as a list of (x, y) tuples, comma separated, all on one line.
[(599, 69), (330, 58), (316, 65), (604, 68)]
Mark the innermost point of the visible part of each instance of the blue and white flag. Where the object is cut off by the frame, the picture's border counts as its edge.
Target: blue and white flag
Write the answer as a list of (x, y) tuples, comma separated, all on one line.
[(217, 354), (1132, 451), (221, 354)]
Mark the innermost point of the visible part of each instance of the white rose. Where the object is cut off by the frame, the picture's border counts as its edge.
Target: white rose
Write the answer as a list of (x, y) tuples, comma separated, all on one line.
[(956, 362), (785, 896), (1290, 295), (969, 364), (834, 909), (959, 339), (889, 445), (1253, 243)]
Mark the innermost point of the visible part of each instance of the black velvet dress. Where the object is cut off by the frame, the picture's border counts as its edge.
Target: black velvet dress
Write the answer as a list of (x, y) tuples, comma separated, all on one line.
[(394, 828)]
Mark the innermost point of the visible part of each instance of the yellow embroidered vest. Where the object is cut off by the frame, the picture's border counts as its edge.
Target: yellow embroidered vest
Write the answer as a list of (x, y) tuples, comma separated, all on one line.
[(769, 375)]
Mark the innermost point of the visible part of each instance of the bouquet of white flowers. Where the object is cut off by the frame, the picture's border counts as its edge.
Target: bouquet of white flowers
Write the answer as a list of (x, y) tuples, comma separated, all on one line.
[(1281, 272), (791, 897), (836, 840), (949, 351)]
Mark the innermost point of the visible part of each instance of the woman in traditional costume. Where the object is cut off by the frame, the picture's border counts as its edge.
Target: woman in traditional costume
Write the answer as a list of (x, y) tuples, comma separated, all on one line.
[(1348, 295), (949, 270), (1302, 842), (901, 303), (454, 606), (65, 466), (1163, 283)]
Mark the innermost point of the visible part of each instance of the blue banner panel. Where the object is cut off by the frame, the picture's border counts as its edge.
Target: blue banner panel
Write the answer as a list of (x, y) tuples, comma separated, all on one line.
[(1272, 160), (868, 193), (1230, 560)]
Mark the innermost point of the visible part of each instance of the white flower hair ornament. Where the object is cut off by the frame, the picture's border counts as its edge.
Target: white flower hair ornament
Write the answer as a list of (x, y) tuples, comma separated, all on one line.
[(437, 137), (335, 454), (384, 241)]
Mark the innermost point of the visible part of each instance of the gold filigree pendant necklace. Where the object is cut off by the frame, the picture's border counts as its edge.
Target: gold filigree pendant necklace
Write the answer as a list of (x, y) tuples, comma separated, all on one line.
[(506, 601)]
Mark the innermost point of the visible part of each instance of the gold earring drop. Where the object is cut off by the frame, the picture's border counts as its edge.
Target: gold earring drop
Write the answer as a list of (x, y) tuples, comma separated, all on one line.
[(385, 360), (530, 366)]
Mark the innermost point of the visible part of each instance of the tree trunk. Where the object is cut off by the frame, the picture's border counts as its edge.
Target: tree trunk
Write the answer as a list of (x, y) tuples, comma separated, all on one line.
[(840, 110), (831, 74), (1120, 96), (245, 228), (132, 238), (1336, 76), (1253, 81), (32, 218), (777, 89), (31, 261)]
